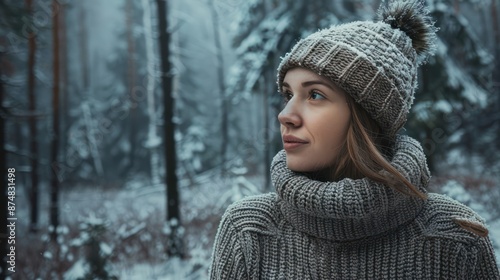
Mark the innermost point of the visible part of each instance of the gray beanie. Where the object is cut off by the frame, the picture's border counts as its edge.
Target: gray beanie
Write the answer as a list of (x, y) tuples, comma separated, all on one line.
[(374, 62)]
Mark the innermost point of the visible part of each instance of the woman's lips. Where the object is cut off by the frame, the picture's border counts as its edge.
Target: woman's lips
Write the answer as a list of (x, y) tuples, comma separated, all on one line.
[(291, 142)]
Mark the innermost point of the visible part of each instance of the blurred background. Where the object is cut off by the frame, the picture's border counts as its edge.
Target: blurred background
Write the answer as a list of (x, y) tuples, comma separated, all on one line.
[(133, 124)]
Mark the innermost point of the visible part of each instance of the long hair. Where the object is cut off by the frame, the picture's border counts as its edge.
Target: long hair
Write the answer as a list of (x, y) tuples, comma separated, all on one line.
[(366, 153)]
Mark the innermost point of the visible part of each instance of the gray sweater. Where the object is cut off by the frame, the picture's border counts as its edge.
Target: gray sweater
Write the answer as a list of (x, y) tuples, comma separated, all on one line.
[(352, 229)]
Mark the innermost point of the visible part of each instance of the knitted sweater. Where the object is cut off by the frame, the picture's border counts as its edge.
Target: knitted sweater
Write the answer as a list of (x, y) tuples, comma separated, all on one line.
[(352, 229)]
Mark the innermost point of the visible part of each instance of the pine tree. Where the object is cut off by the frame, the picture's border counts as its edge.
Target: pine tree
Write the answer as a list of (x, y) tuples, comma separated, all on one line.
[(453, 86), (175, 241), (224, 104), (54, 191), (3, 177), (34, 195)]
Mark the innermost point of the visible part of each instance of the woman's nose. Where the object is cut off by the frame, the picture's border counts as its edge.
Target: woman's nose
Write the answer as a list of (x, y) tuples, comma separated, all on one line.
[(290, 116)]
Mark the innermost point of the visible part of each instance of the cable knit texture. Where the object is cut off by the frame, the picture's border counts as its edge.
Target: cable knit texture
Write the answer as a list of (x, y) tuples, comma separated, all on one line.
[(352, 229)]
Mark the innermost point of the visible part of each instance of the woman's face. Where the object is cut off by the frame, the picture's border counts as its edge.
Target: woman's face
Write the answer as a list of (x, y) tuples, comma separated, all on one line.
[(314, 121)]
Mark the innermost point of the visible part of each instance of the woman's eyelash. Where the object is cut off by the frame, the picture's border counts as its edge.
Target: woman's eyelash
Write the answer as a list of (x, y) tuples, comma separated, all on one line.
[(287, 95), (315, 92)]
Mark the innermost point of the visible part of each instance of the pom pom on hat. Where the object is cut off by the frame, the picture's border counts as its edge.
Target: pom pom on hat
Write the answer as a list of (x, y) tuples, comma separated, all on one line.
[(413, 19)]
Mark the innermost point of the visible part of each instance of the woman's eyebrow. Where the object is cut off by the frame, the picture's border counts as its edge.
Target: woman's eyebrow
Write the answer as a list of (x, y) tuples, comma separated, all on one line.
[(310, 83), (316, 82)]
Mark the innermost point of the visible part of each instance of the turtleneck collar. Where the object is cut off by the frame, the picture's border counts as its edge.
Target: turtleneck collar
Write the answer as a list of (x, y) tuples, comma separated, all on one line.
[(351, 209)]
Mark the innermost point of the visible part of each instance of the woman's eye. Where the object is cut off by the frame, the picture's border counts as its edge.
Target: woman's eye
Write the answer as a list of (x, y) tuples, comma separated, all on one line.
[(287, 95), (316, 95)]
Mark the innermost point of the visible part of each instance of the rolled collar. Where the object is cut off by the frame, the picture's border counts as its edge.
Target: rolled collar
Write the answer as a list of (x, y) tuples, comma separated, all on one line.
[(351, 209)]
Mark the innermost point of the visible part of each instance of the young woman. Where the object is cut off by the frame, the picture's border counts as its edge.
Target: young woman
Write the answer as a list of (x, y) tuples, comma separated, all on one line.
[(351, 200)]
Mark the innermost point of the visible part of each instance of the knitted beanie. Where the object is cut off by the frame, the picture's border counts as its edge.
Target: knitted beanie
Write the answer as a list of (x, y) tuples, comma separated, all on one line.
[(374, 62)]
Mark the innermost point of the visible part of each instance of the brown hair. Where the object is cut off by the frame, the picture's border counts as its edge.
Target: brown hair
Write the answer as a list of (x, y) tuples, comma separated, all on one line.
[(367, 152)]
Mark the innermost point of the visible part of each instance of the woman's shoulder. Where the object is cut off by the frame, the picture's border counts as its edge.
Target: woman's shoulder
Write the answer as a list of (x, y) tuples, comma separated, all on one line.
[(447, 218), (256, 213)]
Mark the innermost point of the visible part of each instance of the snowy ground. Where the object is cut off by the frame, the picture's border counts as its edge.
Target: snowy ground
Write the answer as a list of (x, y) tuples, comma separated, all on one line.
[(135, 236), (134, 240)]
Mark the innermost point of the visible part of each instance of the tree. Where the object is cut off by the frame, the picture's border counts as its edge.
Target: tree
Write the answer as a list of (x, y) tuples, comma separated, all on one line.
[(224, 108), (175, 243), (152, 141), (54, 192), (131, 78), (486, 144), (32, 125), (3, 177), (453, 88), (496, 34), (198, 99), (65, 116), (89, 122), (10, 42)]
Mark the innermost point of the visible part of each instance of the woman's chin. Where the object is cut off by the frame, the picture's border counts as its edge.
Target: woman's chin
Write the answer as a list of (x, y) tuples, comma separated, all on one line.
[(295, 165), (301, 166)]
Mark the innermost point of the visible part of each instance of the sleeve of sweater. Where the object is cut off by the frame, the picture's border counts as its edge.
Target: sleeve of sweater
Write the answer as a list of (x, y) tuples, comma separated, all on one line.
[(228, 261), (486, 267)]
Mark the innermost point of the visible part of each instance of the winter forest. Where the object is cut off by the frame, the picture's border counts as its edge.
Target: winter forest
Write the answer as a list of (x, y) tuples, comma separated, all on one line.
[(128, 126)]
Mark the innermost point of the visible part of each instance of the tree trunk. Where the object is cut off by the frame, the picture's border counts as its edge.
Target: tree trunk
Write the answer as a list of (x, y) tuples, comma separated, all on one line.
[(456, 7), (131, 72), (268, 80), (3, 177), (152, 141), (496, 44), (90, 124), (32, 125), (91, 127), (65, 124), (84, 49), (222, 89), (54, 193), (175, 243)]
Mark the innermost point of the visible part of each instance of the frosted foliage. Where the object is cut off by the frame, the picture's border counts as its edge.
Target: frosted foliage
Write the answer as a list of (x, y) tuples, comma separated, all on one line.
[(124, 233), (241, 187), (456, 191), (471, 92), (47, 255), (421, 110), (152, 141), (443, 106), (77, 270), (106, 249), (254, 51), (92, 220), (243, 19), (457, 77), (192, 145), (455, 137), (124, 146)]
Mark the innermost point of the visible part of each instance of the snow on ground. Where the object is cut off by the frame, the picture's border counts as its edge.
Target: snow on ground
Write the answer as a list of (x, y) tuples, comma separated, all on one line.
[(207, 200), (139, 211)]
